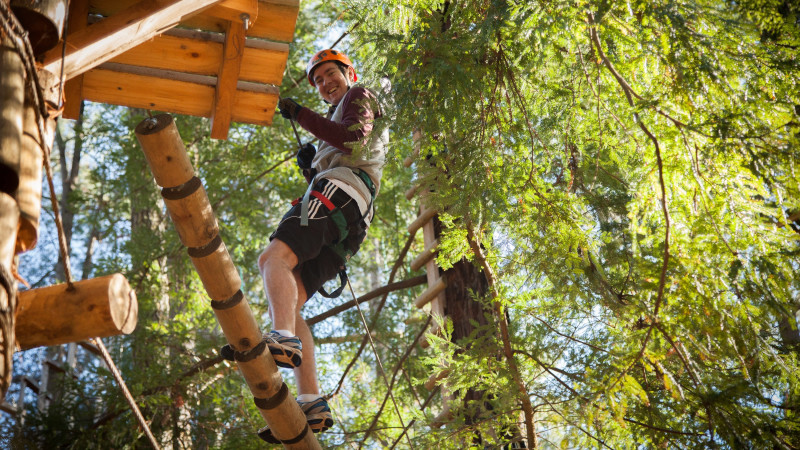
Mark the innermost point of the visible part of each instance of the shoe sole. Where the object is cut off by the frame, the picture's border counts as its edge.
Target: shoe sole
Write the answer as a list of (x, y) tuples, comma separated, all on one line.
[(317, 422), (284, 359)]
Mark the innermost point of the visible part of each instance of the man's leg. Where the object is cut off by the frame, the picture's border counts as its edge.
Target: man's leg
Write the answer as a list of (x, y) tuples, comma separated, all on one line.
[(276, 264), (306, 374), (286, 295)]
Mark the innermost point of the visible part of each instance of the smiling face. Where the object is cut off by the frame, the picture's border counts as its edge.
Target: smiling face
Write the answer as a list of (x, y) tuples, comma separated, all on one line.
[(331, 83)]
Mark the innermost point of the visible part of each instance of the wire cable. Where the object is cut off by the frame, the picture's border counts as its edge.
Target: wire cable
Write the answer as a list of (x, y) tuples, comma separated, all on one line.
[(378, 358)]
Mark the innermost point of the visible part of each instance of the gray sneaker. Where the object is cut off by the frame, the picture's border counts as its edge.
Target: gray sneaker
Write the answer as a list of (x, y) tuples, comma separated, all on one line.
[(286, 350), (318, 415)]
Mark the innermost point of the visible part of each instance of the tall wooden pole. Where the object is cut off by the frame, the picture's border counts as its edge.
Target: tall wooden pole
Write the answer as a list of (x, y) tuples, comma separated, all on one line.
[(12, 89), (198, 230), (32, 151)]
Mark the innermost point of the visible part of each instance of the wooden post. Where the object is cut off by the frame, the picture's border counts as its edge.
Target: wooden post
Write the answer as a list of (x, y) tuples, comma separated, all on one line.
[(29, 192), (99, 307), (12, 92), (12, 96), (190, 210)]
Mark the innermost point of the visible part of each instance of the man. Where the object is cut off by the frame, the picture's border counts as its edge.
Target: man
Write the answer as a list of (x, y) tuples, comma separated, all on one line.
[(316, 237)]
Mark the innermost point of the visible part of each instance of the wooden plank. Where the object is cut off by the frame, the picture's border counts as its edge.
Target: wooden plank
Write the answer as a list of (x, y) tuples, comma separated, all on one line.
[(137, 91), (177, 92), (276, 18), (230, 65), (200, 53), (73, 89), (276, 21), (130, 27)]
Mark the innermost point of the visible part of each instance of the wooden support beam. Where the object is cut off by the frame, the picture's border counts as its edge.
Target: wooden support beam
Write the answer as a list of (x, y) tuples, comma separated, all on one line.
[(276, 19), (235, 11), (428, 254), (430, 293), (200, 53), (432, 270), (226, 81), (77, 20), (158, 90), (98, 307), (128, 28)]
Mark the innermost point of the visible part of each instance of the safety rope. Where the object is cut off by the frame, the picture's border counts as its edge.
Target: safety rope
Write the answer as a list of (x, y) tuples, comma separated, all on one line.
[(380, 364), (13, 29)]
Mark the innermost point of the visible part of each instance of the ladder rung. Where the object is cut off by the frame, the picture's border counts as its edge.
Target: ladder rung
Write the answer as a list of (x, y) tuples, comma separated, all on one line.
[(428, 254), (421, 220), (430, 293)]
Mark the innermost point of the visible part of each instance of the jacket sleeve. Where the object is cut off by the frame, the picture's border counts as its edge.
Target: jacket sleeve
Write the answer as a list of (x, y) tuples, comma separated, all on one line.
[(356, 123)]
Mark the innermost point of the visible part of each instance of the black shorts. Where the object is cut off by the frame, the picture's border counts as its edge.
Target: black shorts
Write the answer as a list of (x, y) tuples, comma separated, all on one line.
[(311, 244)]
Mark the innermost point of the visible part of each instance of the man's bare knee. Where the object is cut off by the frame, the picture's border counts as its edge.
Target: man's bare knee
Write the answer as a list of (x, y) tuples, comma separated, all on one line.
[(277, 253)]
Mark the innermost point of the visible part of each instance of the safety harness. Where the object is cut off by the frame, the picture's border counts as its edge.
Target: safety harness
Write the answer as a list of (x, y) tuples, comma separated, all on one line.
[(338, 218)]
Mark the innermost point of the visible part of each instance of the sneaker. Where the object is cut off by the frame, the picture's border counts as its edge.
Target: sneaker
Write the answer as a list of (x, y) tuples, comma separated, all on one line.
[(318, 415), (287, 351)]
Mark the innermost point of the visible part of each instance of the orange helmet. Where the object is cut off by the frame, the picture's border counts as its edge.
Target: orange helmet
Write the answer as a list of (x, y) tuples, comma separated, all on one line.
[(324, 56)]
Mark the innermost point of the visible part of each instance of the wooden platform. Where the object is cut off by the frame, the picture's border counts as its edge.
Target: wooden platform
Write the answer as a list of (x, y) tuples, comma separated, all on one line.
[(218, 59)]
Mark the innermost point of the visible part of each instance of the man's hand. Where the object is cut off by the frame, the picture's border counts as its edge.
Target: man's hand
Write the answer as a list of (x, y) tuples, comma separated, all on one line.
[(306, 155), (289, 108)]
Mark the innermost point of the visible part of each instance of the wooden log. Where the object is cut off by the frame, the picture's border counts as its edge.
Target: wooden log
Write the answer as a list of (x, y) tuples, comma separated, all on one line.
[(424, 217), (435, 329), (412, 191), (29, 192), (430, 383), (9, 216), (43, 20), (237, 322), (191, 213), (430, 293), (428, 254), (214, 265), (12, 96), (164, 151), (98, 307)]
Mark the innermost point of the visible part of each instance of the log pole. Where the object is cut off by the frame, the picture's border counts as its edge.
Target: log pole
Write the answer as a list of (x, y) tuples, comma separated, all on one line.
[(12, 97), (29, 192), (98, 307), (12, 93), (197, 226)]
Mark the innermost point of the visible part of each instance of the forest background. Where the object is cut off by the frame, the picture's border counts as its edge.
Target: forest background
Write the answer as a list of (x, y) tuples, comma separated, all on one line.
[(625, 174)]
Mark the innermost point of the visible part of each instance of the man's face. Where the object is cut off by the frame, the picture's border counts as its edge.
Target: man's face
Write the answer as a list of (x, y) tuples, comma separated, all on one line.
[(331, 82)]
